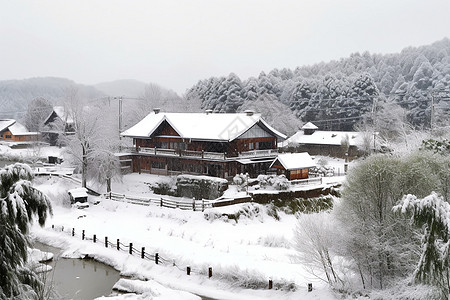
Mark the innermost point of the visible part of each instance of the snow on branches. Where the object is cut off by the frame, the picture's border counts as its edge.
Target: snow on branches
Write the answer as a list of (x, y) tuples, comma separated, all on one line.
[(432, 214)]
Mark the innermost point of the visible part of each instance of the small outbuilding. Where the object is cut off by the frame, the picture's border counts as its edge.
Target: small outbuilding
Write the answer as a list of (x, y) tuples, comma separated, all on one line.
[(78, 195), (293, 165)]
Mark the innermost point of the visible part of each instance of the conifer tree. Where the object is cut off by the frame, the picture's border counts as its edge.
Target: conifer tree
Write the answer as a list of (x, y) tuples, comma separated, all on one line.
[(20, 202)]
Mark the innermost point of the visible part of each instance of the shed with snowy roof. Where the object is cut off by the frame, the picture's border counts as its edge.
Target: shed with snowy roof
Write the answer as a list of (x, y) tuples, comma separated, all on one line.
[(327, 143), (78, 195), (293, 165)]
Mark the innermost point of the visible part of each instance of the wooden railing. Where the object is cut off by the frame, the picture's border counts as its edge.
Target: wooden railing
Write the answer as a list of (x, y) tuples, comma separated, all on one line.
[(254, 153), (204, 154), (316, 180), (183, 153), (195, 205)]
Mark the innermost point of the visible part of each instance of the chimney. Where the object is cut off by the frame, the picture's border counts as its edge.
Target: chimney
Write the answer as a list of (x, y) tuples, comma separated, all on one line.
[(249, 112), (156, 110), (208, 111)]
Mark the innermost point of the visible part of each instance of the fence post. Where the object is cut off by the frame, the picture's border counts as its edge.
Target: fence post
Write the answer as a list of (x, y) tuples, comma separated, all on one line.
[(143, 253), (110, 196), (161, 202), (309, 287), (106, 242), (82, 234), (210, 272), (131, 248), (156, 258), (62, 228), (203, 204), (73, 231), (118, 244), (188, 270), (270, 284), (95, 238), (53, 226), (193, 203)]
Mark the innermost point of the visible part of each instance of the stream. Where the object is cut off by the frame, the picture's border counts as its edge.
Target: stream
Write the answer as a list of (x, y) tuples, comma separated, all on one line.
[(73, 278)]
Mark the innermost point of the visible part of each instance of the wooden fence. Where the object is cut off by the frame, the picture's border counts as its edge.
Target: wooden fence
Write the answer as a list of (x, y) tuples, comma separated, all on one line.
[(133, 249), (195, 205)]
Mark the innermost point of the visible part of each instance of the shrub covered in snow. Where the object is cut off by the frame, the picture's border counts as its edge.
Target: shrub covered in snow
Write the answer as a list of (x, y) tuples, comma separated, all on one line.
[(322, 171), (278, 182), (248, 211)]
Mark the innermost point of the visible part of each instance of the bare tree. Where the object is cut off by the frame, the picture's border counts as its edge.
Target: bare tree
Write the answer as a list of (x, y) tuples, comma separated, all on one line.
[(38, 109)]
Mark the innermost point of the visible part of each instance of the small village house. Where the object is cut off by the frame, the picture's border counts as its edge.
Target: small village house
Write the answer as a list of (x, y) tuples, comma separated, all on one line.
[(59, 121), (215, 144), (293, 165), (16, 133), (327, 143)]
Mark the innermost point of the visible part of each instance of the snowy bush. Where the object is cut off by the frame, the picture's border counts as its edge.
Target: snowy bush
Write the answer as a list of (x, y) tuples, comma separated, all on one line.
[(404, 290), (249, 211), (275, 241), (278, 182), (241, 181), (322, 171)]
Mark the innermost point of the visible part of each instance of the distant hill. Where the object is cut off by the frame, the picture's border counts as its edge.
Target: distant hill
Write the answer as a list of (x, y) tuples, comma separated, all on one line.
[(124, 87), (16, 94)]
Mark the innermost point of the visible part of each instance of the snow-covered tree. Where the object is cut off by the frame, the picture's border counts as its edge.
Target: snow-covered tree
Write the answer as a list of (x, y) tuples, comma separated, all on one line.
[(104, 166), (432, 215), (38, 109), (20, 202)]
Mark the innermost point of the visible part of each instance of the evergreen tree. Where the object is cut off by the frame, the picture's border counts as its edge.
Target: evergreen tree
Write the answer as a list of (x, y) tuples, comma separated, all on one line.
[(19, 203)]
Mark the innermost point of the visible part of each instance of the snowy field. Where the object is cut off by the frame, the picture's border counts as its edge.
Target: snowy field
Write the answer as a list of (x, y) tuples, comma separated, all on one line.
[(242, 254)]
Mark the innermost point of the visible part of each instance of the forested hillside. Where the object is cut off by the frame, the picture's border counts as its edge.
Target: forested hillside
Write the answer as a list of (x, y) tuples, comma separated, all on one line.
[(337, 94)]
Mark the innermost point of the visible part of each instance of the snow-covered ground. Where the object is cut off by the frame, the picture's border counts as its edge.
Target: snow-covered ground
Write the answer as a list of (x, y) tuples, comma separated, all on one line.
[(242, 253)]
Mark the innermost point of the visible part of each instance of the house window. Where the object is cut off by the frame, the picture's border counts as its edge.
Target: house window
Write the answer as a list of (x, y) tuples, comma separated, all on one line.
[(251, 146), (158, 165), (8, 136), (265, 145)]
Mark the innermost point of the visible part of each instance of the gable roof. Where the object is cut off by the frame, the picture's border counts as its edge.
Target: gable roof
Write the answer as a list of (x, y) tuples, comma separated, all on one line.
[(201, 126), (19, 129), (61, 113), (5, 123), (324, 138), (310, 125), (294, 161)]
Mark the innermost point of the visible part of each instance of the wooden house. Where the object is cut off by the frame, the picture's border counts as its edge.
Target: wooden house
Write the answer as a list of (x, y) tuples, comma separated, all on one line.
[(11, 131), (214, 144), (327, 143), (293, 165), (59, 121)]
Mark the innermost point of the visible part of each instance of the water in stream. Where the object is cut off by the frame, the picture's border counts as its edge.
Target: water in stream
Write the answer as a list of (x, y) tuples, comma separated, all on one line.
[(78, 279)]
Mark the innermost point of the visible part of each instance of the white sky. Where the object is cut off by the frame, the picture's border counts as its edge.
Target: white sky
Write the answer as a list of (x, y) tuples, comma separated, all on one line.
[(177, 43)]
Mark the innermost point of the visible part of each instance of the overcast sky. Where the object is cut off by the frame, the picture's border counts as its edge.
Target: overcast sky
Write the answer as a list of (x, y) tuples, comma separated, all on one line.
[(177, 43)]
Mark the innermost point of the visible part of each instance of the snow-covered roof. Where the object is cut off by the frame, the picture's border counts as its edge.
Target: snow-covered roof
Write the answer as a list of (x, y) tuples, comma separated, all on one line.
[(294, 161), (61, 113), (78, 192), (19, 129), (5, 123), (201, 126), (325, 138), (310, 125)]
